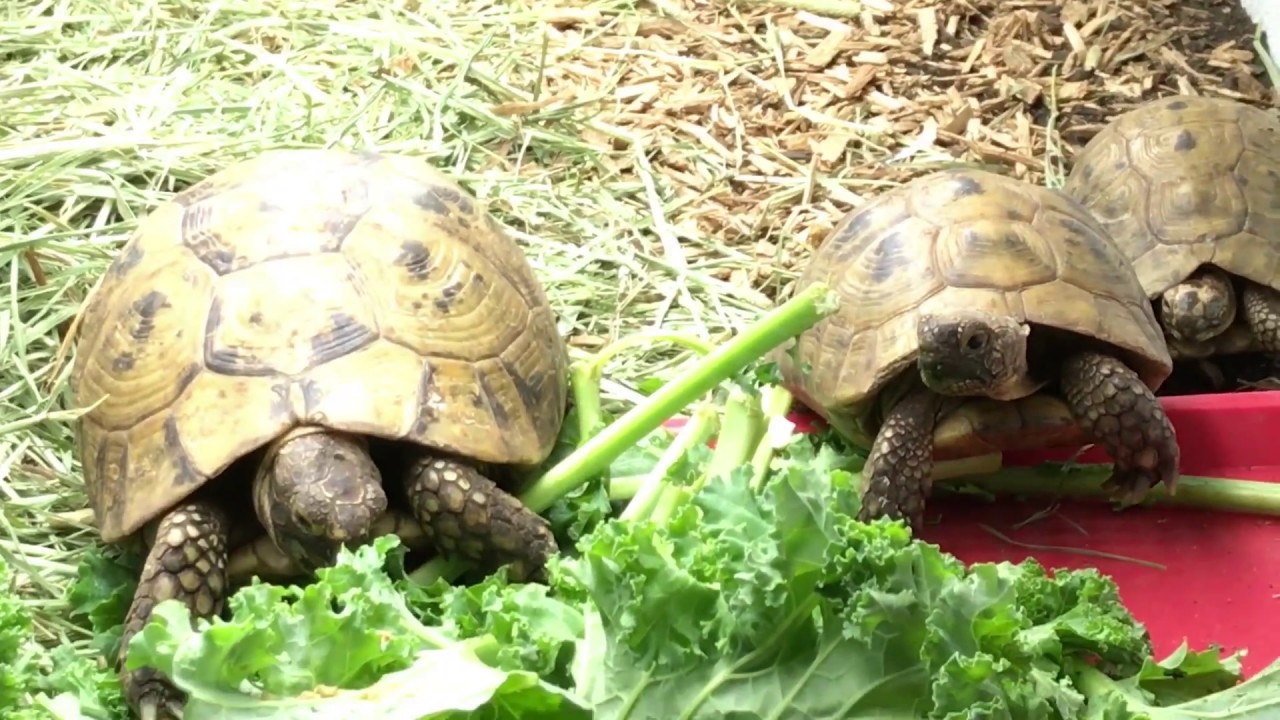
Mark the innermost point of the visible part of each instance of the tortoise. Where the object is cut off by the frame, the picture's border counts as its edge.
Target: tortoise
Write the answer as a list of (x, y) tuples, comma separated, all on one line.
[(979, 313), (1186, 186), (413, 323)]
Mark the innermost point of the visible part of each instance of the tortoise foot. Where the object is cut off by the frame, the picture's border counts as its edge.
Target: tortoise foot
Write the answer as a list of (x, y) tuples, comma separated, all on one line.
[(1118, 411), (187, 562), (1262, 312), (466, 514), (897, 477), (153, 698)]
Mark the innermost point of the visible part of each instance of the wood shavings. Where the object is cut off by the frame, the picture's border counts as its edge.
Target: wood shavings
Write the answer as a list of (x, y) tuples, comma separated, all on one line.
[(928, 19), (766, 123)]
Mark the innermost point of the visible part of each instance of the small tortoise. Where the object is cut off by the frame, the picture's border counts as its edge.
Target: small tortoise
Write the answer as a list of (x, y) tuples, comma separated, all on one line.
[(979, 314), (1187, 186), (413, 322)]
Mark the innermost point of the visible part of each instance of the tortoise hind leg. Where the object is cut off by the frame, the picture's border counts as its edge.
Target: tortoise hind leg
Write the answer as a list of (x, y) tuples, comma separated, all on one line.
[(1118, 411), (466, 514), (897, 476), (187, 562)]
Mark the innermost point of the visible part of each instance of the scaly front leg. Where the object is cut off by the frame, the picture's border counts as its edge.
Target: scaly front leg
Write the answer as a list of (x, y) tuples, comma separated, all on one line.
[(186, 562), (898, 475), (1118, 411), (466, 514)]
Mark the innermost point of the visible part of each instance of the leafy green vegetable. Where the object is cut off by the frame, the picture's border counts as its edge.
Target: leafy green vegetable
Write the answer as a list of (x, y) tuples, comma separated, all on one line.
[(790, 607), (345, 643), (101, 594), (744, 600), (1146, 696), (41, 684), (736, 583), (15, 628)]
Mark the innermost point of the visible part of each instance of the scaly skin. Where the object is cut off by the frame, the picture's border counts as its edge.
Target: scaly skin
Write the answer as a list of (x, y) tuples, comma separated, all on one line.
[(316, 491), (1199, 308), (897, 477), (1262, 312), (1119, 412), (187, 562), (466, 514)]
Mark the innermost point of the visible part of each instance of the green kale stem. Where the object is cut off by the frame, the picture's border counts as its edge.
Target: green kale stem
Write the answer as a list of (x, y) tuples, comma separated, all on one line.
[(697, 431), (1085, 482), (586, 399), (595, 455), (625, 487), (1096, 686), (980, 465), (775, 403), (743, 429), (721, 362), (760, 655), (485, 647), (740, 430), (585, 375), (743, 425)]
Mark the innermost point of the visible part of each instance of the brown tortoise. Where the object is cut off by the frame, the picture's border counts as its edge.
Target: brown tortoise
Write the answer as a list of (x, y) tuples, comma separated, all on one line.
[(401, 315), (1187, 187), (979, 313)]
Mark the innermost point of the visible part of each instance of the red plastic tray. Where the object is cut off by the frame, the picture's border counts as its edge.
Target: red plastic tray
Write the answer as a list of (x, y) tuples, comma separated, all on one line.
[(1221, 580)]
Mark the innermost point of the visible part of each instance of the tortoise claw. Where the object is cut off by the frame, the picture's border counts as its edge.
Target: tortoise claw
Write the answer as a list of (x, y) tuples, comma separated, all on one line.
[(151, 710), (161, 702)]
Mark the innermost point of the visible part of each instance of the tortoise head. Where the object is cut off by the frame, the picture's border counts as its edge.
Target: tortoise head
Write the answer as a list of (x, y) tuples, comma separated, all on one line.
[(317, 492), (1199, 308), (974, 353)]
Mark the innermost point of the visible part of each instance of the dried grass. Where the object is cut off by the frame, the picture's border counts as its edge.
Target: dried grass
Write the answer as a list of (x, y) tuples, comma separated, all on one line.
[(666, 164)]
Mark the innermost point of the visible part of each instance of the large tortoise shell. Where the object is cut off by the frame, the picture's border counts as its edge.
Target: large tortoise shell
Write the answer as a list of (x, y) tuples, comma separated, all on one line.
[(1186, 181), (965, 238), (360, 292)]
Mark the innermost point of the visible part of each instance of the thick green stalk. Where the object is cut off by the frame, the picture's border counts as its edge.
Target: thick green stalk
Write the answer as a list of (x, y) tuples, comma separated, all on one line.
[(740, 429), (585, 385), (1095, 685), (438, 567), (594, 456), (1085, 481), (740, 432), (596, 453), (697, 431), (945, 470), (625, 488), (775, 402), (585, 375)]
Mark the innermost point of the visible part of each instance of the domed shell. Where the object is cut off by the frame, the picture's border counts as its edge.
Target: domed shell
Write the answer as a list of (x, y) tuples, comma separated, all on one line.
[(1186, 181), (364, 293), (963, 238)]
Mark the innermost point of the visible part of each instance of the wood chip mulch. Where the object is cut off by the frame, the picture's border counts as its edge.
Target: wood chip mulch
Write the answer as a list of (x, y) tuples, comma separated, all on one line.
[(766, 124)]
